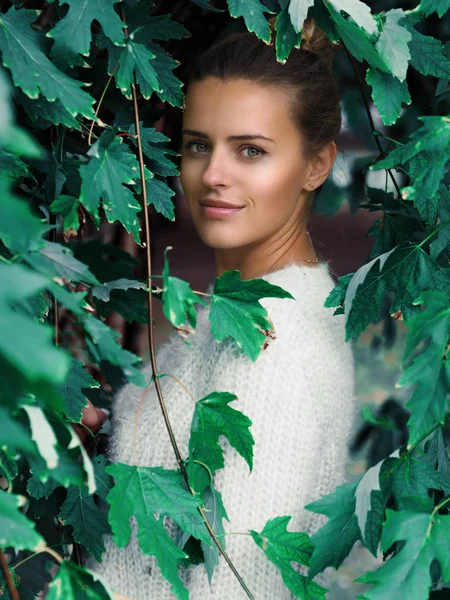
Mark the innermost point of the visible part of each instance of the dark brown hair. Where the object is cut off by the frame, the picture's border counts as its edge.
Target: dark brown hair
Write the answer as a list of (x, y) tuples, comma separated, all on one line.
[(306, 76)]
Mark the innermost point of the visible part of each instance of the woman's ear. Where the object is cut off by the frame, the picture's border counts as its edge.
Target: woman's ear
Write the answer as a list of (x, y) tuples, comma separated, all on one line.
[(321, 166)]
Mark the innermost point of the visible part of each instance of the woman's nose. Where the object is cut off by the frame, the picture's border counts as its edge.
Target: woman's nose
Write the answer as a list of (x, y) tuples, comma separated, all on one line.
[(216, 171)]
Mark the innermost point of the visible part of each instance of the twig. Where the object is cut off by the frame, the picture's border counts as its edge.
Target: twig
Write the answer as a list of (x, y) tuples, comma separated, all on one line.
[(101, 100), (9, 580), (151, 335), (369, 115), (374, 130)]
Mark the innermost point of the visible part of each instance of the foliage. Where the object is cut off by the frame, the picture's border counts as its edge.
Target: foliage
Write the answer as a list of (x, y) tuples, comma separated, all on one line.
[(57, 184)]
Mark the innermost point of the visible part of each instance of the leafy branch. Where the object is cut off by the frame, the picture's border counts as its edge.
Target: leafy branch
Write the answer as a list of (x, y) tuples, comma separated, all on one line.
[(151, 333)]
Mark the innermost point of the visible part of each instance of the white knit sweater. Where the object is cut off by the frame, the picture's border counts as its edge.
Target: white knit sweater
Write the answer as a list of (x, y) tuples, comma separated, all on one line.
[(299, 395)]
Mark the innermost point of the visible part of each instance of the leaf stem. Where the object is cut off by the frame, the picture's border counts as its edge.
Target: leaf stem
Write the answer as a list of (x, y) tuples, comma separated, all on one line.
[(436, 426), (201, 293), (151, 333), (47, 548), (369, 116), (440, 505), (234, 533), (411, 447), (101, 100), (434, 233), (7, 575)]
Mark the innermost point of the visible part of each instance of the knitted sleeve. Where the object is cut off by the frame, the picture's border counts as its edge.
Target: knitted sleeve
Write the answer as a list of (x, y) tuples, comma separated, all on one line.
[(300, 397)]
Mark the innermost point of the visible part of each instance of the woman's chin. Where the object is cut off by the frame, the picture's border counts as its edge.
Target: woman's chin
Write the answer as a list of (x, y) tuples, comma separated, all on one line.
[(220, 240)]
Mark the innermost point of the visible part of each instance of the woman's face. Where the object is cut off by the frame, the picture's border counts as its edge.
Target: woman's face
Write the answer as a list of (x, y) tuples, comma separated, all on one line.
[(265, 177)]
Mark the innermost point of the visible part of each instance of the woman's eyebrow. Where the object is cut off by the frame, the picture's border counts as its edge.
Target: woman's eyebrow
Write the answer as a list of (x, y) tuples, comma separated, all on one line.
[(231, 138)]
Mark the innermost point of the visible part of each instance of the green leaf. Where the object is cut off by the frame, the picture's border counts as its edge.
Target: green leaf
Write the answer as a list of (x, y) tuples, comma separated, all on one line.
[(388, 94), (428, 371), (357, 40), (102, 292), (213, 417), (359, 12), (393, 43), (142, 491), (153, 27), (252, 11), (334, 541), (13, 139), (153, 149), (15, 529), (431, 6), (407, 574), (73, 301), (132, 305), (169, 88), (283, 547), (159, 194), (207, 5), (13, 210), (405, 270), (236, 313), (14, 436), (67, 206), (111, 165), (41, 489), (178, 298), (88, 522), (441, 241), (59, 462), (427, 55), (297, 11), (21, 47), (134, 60), (41, 362), (369, 505), (323, 19), (80, 511), (103, 481), (55, 260), (74, 399), (106, 261), (104, 340), (412, 477), (72, 34), (429, 148), (44, 113), (215, 513), (75, 583), (287, 38), (43, 434)]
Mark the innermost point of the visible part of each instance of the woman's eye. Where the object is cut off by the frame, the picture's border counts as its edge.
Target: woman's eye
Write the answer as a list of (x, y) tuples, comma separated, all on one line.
[(189, 145), (258, 150), (252, 155)]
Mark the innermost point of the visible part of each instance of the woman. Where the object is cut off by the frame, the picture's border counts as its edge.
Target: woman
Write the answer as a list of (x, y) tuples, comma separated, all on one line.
[(259, 137)]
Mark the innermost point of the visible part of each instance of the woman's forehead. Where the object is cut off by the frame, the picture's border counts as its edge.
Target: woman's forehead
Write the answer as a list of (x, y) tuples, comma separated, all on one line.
[(235, 108)]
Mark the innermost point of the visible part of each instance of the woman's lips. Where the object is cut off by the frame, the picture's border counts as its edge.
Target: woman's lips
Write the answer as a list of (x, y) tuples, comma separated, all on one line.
[(219, 212)]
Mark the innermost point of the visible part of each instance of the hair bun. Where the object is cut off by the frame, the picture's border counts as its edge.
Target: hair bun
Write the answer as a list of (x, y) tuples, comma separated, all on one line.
[(314, 40)]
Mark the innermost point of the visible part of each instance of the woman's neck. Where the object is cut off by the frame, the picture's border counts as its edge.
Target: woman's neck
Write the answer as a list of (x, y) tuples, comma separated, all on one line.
[(257, 261)]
